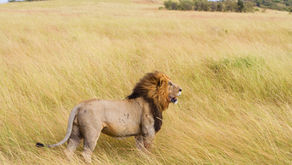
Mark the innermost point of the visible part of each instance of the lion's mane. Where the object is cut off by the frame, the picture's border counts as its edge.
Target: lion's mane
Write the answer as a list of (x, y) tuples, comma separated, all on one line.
[(153, 88)]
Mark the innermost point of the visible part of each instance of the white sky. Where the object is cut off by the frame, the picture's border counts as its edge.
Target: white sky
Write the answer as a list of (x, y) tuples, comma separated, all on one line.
[(3, 1)]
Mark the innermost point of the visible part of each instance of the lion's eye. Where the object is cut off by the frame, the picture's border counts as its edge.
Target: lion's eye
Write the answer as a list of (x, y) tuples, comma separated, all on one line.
[(169, 83)]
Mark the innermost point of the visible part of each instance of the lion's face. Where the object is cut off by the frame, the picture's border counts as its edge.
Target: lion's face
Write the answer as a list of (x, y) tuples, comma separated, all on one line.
[(158, 87), (173, 92)]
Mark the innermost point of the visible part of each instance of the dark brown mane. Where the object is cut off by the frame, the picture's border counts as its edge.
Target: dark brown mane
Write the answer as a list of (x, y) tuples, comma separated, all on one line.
[(153, 89)]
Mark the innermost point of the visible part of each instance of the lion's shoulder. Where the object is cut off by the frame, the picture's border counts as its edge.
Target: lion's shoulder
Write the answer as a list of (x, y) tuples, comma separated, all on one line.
[(153, 88)]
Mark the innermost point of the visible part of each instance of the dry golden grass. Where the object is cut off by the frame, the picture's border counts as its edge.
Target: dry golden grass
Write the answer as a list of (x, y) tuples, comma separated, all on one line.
[(235, 70)]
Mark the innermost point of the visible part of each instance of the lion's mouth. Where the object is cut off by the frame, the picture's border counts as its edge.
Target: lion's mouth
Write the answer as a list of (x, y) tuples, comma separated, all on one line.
[(173, 100)]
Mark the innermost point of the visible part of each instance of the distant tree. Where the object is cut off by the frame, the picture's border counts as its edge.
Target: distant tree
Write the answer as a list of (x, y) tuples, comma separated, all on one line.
[(258, 4), (185, 5), (230, 5), (167, 4), (267, 2), (219, 6), (288, 2), (196, 5), (204, 6), (213, 6), (248, 6), (170, 5), (240, 5)]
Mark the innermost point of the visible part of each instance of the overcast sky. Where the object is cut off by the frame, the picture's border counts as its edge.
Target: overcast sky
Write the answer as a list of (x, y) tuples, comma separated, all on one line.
[(3, 1)]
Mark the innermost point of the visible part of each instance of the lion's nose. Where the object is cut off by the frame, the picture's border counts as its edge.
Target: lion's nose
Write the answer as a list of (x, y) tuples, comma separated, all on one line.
[(180, 90)]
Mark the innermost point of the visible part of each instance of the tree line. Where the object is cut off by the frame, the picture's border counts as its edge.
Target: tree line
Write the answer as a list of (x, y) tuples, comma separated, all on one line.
[(227, 5), (274, 4)]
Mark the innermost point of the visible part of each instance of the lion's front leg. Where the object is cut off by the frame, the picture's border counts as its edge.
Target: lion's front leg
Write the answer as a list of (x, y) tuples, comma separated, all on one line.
[(143, 143), (148, 131), (148, 139), (139, 142)]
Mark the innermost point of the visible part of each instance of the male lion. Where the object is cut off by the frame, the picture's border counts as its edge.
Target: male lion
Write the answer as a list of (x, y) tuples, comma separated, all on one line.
[(139, 115)]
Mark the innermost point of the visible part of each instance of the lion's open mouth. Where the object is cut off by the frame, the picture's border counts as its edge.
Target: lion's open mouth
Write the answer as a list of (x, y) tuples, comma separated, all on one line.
[(173, 100)]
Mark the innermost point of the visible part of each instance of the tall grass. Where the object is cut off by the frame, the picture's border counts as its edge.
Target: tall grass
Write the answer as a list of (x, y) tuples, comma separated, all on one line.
[(235, 71)]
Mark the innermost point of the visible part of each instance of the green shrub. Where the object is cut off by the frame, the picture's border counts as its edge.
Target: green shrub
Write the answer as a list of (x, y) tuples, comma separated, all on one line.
[(170, 5), (185, 5)]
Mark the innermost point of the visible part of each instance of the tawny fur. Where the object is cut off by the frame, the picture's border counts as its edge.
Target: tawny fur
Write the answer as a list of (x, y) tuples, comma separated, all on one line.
[(139, 115)]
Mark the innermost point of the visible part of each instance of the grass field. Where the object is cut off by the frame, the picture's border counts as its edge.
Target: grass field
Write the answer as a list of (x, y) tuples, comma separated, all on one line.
[(235, 70)]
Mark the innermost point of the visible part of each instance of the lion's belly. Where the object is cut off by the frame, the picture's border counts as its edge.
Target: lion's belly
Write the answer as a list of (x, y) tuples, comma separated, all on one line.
[(122, 119), (123, 130), (124, 125)]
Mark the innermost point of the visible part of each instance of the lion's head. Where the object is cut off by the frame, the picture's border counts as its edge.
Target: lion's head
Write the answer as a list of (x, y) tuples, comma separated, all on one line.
[(158, 90)]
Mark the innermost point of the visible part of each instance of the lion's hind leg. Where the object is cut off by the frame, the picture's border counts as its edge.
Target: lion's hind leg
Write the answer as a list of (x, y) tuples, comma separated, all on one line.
[(73, 141), (91, 136)]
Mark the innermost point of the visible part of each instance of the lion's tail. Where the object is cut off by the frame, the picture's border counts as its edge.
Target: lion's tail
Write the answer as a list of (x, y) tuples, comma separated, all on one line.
[(69, 130)]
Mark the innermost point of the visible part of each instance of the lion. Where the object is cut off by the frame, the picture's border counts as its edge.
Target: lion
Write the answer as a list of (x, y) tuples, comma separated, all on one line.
[(139, 115)]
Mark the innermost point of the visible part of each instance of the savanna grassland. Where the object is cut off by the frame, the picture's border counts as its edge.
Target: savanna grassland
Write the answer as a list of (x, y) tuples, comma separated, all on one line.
[(235, 70)]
